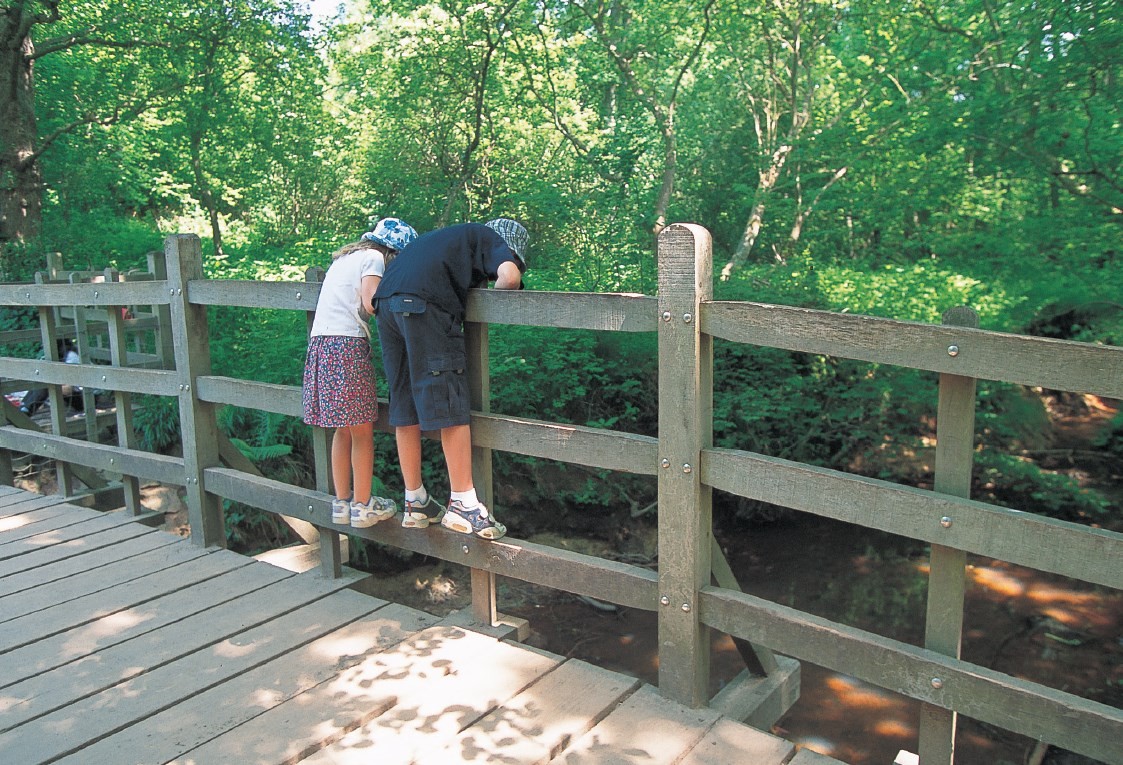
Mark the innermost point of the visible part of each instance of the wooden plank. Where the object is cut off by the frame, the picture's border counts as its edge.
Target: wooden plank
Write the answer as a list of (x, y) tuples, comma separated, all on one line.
[(616, 582), (88, 527), (18, 514), (729, 742), (575, 444), (39, 372), (31, 524), (573, 310), (15, 496), (108, 457), (241, 707), (1016, 536), (264, 397), (77, 726), (539, 722), (173, 627), (982, 354), (442, 680), (300, 296), (85, 565), (76, 547), (811, 757), (49, 621), (120, 293), (647, 729), (63, 591), (1031, 709), (685, 428)]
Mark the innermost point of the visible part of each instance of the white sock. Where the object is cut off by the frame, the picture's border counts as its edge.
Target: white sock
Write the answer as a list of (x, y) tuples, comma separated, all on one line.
[(469, 500), (419, 495)]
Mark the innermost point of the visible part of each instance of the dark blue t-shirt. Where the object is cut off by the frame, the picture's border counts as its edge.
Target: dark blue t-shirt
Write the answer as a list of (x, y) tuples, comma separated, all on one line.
[(442, 265)]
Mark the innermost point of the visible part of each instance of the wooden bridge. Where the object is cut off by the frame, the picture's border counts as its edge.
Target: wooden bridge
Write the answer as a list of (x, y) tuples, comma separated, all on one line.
[(112, 670)]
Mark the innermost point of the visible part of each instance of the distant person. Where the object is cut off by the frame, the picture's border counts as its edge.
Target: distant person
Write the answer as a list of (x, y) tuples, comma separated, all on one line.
[(420, 306), (71, 394), (339, 379)]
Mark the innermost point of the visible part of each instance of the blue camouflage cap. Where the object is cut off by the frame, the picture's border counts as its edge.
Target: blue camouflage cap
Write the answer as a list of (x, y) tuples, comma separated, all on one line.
[(395, 233)]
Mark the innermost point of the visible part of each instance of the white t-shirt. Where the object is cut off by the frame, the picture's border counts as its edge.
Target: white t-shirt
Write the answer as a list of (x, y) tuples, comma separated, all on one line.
[(338, 311)]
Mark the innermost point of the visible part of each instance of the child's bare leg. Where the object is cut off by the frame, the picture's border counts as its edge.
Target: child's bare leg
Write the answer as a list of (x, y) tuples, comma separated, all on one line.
[(362, 459), (341, 462), (457, 445), (409, 454)]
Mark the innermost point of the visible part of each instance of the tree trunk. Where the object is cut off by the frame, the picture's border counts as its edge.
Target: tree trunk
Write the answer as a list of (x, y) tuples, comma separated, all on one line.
[(670, 167), (21, 182), (768, 179)]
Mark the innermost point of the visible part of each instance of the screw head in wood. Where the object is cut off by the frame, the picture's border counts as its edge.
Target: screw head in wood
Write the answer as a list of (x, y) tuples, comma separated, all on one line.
[(946, 521), (665, 600), (953, 350), (937, 683)]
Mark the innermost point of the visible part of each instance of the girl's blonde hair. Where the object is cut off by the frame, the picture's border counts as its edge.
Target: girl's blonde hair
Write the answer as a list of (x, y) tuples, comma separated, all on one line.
[(363, 244)]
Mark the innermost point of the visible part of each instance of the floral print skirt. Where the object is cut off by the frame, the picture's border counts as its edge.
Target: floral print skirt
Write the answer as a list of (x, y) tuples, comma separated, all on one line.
[(339, 382)]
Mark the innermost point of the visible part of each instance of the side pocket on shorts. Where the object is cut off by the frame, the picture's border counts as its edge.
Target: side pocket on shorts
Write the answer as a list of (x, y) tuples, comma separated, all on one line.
[(445, 387)]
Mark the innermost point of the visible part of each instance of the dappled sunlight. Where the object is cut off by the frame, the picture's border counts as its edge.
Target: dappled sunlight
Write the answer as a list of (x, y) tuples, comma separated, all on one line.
[(1000, 582), (855, 693), (13, 522), (816, 744)]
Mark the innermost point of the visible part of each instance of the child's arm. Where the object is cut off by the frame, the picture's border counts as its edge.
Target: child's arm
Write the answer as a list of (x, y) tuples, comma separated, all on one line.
[(366, 292), (510, 278)]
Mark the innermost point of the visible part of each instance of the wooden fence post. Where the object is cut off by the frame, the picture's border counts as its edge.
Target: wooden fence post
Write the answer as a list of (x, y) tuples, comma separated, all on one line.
[(484, 608), (198, 428), (331, 552), (164, 348), (685, 427), (943, 631), (126, 438), (48, 331)]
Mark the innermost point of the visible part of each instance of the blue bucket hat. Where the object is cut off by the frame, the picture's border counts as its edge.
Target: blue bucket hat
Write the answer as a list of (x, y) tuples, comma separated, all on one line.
[(395, 233), (513, 233)]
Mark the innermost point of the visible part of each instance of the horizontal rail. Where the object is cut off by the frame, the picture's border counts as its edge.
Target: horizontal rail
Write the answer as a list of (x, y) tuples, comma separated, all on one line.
[(1025, 707), (110, 458), (98, 294), (240, 293), (1040, 542), (611, 581), (157, 382), (983, 354), (248, 394), (570, 310), (575, 444)]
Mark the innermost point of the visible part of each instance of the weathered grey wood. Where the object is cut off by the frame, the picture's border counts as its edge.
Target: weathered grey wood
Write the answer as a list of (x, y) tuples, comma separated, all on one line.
[(424, 675), (571, 310), (29, 509), (237, 722), (30, 524), (165, 346), (198, 427), (233, 457), (74, 727), (727, 742), (611, 581), (947, 569), (265, 397), (1047, 544), (476, 342), (157, 467), (151, 381), (209, 617), (71, 665), (759, 660), (982, 354), (685, 428), (57, 413), (535, 725), (72, 548), (64, 616), (575, 444), (126, 438), (1021, 706), (761, 701), (647, 728), (111, 575), (81, 565), (811, 757), (74, 533), (299, 296), (121, 293)]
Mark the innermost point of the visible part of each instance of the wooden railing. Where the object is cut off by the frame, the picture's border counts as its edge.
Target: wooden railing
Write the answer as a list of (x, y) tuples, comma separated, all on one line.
[(693, 590)]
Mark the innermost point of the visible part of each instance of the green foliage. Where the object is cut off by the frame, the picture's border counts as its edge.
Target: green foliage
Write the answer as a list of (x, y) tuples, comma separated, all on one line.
[(1110, 440), (156, 422), (1010, 481)]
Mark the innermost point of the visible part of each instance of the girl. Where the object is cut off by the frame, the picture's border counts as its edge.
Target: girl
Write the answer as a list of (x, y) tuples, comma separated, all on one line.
[(339, 388)]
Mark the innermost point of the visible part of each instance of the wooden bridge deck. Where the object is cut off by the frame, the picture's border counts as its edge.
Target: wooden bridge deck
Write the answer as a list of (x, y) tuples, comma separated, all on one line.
[(120, 643)]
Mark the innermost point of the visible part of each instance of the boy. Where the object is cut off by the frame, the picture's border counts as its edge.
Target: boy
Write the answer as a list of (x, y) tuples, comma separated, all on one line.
[(420, 306)]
